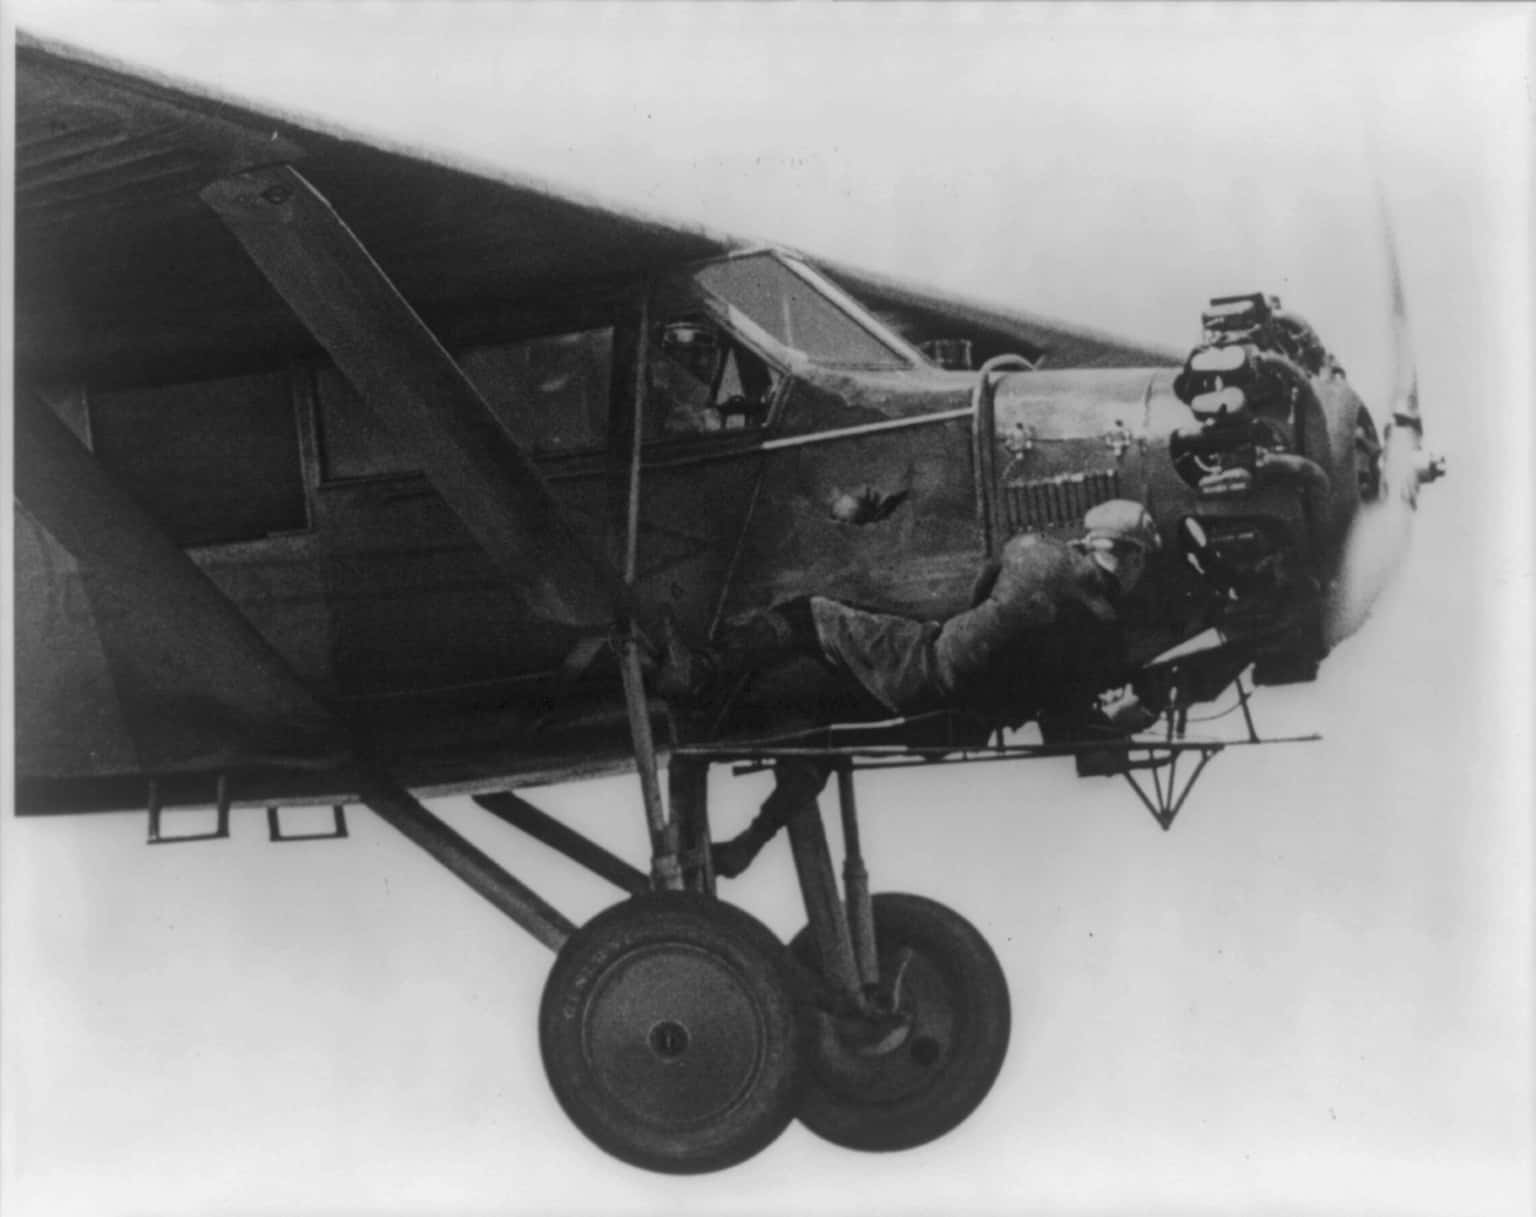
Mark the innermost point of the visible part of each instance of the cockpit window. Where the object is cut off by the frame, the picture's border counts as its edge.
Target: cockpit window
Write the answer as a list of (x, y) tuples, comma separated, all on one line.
[(790, 309), (701, 379)]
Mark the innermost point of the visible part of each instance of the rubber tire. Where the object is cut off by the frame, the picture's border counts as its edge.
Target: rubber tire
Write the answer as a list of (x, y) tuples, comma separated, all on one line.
[(720, 953), (950, 960)]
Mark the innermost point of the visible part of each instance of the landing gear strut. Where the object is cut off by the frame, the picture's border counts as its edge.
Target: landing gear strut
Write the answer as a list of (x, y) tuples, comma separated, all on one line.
[(912, 1006), (681, 1036)]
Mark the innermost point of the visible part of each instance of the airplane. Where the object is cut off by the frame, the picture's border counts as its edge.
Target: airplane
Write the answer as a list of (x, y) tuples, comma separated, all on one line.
[(349, 477)]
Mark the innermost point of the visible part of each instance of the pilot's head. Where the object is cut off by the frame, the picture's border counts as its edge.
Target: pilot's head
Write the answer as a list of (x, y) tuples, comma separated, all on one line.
[(1120, 535), (693, 343)]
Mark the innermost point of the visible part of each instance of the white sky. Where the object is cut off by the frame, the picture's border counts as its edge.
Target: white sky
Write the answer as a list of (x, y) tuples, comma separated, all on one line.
[(1312, 996)]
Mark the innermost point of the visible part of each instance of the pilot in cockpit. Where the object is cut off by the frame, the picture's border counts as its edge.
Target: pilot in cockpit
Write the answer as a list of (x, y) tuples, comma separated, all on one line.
[(702, 380)]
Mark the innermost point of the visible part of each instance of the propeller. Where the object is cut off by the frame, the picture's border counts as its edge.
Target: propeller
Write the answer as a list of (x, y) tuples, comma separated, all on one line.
[(1379, 532)]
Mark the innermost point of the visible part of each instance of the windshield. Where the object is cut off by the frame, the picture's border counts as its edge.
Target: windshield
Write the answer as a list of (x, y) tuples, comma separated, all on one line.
[(792, 311)]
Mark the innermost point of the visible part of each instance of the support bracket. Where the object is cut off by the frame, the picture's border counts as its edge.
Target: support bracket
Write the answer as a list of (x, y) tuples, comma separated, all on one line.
[(221, 828), (1166, 797), (338, 831)]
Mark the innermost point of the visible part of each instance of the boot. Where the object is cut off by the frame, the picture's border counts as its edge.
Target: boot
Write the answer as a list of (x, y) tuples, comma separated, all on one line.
[(746, 644), (756, 640), (795, 783)]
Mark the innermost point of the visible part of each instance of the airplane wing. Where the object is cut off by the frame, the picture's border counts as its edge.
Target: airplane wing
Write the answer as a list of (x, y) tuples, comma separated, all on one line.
[(118, 258), (141, 253)]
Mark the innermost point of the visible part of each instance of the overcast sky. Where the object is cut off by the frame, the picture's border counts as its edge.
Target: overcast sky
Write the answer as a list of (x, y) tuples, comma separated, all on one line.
[(1314, 995)]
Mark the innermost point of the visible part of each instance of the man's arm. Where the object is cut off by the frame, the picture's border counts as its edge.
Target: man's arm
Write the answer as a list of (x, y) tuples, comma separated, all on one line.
[(986, 580)]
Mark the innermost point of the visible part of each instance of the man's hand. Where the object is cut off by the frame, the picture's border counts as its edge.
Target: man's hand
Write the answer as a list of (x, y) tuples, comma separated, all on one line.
[(1153, 687), (1123, 710)]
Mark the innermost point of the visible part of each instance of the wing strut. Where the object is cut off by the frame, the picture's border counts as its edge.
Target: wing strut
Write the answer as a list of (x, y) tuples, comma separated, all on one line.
[(202, 688), (385, 349), (409, 380), (229, 676)]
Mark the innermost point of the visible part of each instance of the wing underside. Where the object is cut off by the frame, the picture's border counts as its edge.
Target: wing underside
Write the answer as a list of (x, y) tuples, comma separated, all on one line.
[(121, 266)]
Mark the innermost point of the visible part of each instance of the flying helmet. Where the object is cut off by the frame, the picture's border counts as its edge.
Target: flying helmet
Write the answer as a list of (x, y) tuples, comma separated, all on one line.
[(1113, 527)]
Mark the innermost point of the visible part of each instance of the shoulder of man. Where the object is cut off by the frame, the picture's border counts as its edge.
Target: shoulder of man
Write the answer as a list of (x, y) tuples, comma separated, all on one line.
[(1059, 570), (1033, 554), (1028, 549)]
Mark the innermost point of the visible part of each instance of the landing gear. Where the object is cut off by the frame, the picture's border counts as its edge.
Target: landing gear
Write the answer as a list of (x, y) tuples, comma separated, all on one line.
[(670, 1033), (911, 1003), (677, 1032), (681, 1036), (931, 1042)]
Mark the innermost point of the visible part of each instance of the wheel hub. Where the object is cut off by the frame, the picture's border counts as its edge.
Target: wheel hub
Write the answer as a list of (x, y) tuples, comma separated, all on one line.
[(929, 1041), (673, 1036), (889, 1057), (873, 1034), (670, 1033), (669, 1040)]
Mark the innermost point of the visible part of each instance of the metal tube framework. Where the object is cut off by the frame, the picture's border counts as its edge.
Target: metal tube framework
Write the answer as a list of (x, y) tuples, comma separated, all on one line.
[(861, 911), (544, 828), (824, 908), (401, 810)]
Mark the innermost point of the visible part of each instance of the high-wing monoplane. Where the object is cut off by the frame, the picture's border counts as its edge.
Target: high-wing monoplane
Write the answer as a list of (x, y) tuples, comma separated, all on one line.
[(348, 477)]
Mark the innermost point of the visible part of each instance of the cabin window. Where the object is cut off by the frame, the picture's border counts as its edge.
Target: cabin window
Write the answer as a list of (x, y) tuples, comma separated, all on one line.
[(213, 461), (550, 392), (700, 379), (790, 309)]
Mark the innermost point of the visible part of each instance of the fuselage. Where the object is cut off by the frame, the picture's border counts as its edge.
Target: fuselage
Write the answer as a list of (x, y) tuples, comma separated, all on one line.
[(788, 443)]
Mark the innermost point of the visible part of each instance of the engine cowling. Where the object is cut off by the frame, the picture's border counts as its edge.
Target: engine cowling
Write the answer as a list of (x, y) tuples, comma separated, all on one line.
[(1254, 458)]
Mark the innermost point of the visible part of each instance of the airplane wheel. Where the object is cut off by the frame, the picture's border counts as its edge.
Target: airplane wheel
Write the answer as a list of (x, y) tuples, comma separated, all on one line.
[(670, 1033), (909, 1076)]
